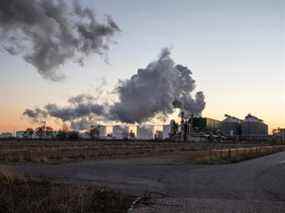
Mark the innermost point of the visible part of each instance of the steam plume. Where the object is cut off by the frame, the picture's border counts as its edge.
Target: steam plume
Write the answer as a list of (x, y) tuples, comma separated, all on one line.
[(48, 33), (36, 115), (82, 109), (150, 92), (154, 89)]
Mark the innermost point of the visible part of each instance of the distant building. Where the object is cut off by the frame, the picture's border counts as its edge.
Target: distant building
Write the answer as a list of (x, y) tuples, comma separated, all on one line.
[(279, 133), (145, 132), (85, 135), (231, 126), (21, 134), (34, 135), (50, 135), (102, 131), (200, 123), (6, 135), (253, 127), (158, 135), (120, 132), (165, 131)]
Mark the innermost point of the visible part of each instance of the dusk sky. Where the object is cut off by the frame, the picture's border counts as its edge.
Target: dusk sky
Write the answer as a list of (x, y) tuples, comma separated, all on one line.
[(235, 49)]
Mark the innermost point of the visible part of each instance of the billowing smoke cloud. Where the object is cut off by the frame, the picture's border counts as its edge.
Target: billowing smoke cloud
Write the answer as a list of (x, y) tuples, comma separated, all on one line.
[(155, 90), (83, 123), (48, 33), (193, 106), (79, 106), (74, 112), (80, 112), (36, 115)]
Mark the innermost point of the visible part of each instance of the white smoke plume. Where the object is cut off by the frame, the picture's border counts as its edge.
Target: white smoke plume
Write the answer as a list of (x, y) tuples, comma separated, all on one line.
[(154, 90), (81, 109), (36, 115), (83, 123), (49, 33)]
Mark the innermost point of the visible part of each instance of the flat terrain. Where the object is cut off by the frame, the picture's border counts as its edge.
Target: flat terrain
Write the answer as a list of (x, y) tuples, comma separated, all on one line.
[(258, 180)]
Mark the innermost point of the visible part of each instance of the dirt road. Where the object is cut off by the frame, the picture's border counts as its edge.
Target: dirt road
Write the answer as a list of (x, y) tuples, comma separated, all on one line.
[(261, 179)]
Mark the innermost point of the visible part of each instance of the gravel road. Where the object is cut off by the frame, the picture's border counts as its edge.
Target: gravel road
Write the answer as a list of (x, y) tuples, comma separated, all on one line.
[(261, 179), (248, 187)]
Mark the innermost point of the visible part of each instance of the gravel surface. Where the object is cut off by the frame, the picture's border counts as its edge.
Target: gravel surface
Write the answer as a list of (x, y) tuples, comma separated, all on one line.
[(191, 205), (261, 179)]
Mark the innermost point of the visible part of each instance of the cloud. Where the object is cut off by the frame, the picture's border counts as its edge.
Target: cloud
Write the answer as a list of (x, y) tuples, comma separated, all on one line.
[(153, 91), (49, 33)]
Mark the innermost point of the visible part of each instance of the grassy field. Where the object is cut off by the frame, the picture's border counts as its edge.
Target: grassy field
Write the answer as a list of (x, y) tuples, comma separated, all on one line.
[(21, 194), (233, 155), (67, 151), (41, 195)]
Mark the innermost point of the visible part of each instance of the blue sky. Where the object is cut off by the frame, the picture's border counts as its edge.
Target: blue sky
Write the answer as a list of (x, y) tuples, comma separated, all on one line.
[(236, 50)]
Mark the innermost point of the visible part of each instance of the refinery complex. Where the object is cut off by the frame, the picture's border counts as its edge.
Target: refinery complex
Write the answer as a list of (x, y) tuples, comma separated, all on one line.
[(187, 129)]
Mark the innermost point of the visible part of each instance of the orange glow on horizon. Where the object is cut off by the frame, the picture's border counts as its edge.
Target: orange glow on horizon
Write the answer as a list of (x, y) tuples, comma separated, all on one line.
[(17, 124)]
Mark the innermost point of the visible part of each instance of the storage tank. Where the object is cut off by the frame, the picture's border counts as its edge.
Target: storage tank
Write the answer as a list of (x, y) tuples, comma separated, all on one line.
[(279, 134), (98, 131), (102, 131), (158, 135), (253, 127), (145, 132), (120, 132), (231, 126), (165, 131)]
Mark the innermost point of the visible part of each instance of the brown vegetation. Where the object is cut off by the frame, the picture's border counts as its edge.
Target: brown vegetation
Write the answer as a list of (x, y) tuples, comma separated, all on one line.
[(233, 155), (28, 195), (66, 151)]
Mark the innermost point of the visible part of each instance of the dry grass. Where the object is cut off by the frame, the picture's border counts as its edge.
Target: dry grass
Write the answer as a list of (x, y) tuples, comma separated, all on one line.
[(28, 195), (235, 155), (64, 151)]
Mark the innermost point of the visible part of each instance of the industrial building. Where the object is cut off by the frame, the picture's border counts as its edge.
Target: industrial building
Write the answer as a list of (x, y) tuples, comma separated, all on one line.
[(85, 135), (21, 134), (250, 127), (188, 129), (145, 132), (98, 131), (102, 131), (279, 134), (253, 127), (6, 135), (34, 135), (158, 135), (166, 131), (231, 126), (202, 124), (120, 132)]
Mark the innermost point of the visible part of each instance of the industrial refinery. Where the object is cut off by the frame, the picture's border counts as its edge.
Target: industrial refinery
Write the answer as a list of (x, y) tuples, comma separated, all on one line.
[(186, 128)]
